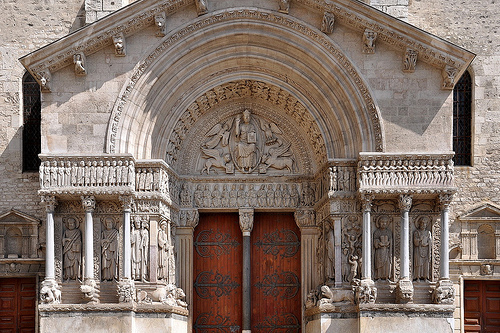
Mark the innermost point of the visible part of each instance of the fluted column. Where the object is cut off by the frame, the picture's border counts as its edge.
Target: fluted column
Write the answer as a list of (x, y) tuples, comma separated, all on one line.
[(404, 289), (49, 292), (246, 226), (188, 220)]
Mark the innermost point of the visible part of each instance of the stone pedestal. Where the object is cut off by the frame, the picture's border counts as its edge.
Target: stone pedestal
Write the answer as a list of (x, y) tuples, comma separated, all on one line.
[(103, 318)]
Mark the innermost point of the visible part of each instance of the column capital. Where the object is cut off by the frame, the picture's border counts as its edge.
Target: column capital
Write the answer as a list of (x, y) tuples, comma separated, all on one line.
[(189, 218), (246, 220), (50, 203), (305, 217), (127, 201), (445, 200), (366, 201), (405, 202), (88, 203)]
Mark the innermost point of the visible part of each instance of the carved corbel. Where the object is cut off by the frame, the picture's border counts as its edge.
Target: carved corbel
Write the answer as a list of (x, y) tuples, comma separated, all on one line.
[(445, 200), (284, 6), (80, 62), (119, 43), (405, 202), (305, 218), (366, 202), (161, 24), (369, 38), (50, 203), (201, 7), (127, 202), (44, 77), (410, 60), (327, 23), (246, 220), (449, 74)]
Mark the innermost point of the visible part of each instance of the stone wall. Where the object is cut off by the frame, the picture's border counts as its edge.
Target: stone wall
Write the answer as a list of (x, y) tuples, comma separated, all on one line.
[(26, 26)]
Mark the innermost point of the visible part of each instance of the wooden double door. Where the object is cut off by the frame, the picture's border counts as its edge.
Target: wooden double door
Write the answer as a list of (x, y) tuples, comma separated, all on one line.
[(481, 306), (17, 305), (275, 274)]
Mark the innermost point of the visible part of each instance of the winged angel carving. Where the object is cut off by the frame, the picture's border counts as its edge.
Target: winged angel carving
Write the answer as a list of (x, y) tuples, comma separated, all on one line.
[(246, 144)]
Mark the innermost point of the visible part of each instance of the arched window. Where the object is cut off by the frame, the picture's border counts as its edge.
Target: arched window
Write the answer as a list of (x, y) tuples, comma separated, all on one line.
[(462, 120), (32, 120)]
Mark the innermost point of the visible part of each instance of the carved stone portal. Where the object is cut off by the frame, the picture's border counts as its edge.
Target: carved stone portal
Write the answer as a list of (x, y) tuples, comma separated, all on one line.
[(247, 144)]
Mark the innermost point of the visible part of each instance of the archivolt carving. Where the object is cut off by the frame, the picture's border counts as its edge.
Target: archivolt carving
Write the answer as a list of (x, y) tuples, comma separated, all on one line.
[(219, 17)]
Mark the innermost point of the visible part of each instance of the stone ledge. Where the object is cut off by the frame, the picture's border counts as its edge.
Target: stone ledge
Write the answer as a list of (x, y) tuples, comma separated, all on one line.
[(103, 308)]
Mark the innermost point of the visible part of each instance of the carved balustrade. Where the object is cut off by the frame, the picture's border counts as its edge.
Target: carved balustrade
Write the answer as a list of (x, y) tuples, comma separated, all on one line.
[(416, 173), (155, 176), (77, 174)]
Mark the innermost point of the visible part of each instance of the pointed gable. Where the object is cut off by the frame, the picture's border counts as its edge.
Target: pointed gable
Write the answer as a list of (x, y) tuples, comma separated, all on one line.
[(483, 213)]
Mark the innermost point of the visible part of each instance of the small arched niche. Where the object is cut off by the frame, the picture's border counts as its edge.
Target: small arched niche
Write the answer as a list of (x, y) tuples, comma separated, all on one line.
[(486, 242)]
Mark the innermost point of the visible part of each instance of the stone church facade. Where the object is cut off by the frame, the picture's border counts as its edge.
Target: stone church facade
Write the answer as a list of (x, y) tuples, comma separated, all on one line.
[(249, 166)]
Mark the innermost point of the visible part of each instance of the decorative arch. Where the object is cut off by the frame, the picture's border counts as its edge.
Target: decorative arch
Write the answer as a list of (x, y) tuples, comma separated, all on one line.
[(257, 47)]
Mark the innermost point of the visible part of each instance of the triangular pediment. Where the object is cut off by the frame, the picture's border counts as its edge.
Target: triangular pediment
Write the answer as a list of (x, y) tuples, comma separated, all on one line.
[(482, 213), (355, 15), (14, 216)]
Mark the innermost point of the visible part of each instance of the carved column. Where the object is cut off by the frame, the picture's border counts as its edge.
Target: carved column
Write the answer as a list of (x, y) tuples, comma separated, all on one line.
[(246, 226), (364, 289), (89, 287), (305, 219), (49, 292), (188, 220), (404, 289), (126, 287), (444, 292), (337, 233)]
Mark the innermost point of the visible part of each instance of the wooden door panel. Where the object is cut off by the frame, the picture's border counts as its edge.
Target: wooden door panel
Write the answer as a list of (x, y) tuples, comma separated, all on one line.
[(17, 305), (217, 274), (275, 273), (482, 306)]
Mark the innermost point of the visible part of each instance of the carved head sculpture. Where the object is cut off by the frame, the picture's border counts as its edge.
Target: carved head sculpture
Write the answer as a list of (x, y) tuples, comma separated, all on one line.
[(383, 222), (246, 116), (422, 222), (108, 223), (71, 223), (163, 224)]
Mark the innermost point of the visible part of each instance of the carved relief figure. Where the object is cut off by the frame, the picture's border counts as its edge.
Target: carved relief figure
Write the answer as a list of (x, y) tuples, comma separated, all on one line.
[(330, 251), (278, 158), (382, 242), (246, 138), (422, 242), (165, 252), (72, 250), (140, 244), (109, 250), (369, 38), (119, 43), (79, 61), (144, 249)]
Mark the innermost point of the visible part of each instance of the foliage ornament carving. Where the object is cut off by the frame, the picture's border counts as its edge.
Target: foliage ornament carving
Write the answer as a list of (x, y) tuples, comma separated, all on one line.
[(405, 202), (50, 203), (246, 143), (410, 61), (328, 23), (449, 74)]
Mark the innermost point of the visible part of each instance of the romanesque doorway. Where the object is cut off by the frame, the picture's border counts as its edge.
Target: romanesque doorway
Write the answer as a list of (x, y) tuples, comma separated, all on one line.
[(17, 305), (275, 274)]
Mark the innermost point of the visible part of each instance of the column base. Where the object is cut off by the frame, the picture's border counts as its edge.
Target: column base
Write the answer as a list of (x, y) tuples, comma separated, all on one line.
[(404, 291), (126, 291), (90, 291), (50, 292), (365, 291), (443, 293)]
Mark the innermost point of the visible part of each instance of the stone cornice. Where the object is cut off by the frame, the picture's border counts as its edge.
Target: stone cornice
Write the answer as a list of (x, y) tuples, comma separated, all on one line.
[(140, 14), (123, 307)]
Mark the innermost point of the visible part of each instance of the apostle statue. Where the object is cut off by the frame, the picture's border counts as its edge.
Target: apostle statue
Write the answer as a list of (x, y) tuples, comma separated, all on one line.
[(382, 242), (422, 249), (72, 250), (109, 250)]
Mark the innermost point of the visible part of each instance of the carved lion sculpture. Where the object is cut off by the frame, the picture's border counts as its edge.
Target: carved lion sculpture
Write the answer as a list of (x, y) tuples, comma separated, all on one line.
[(336, 296)]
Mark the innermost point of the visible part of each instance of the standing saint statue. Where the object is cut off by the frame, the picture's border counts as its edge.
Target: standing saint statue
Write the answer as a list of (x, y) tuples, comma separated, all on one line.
[(246, 139), (330, 252), (382, 241), (72, 250), (135, 241), (144, 249), (163, 249), (422, 249), (109, 250)]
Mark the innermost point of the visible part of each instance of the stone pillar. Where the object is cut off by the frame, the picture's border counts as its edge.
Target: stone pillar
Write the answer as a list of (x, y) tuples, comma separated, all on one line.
[(49, 292), (188, 220), (365, 290), (126, 287), (337, 233), (404, 289), (309, 232), (246, 226), (444, 292), (89, 287)]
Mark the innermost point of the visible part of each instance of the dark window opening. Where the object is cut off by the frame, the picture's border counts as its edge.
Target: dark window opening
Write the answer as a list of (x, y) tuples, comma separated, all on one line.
[(32, 120), (462, 120)]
